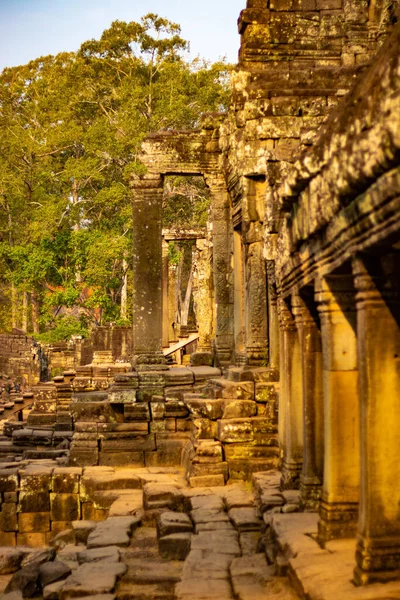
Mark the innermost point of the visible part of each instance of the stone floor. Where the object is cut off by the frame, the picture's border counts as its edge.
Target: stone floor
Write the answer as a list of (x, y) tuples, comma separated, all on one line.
[(166, 541), (322, 574)]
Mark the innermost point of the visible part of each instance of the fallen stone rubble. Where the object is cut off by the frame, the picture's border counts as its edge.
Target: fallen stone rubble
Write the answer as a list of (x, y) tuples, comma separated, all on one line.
[(160, 540)]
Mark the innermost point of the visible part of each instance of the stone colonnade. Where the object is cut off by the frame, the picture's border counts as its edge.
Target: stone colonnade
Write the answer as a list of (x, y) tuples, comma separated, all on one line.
[(239, 276)]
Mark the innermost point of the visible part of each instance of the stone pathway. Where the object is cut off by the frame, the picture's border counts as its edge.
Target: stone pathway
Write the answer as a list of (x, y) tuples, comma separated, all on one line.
[(163, 541)]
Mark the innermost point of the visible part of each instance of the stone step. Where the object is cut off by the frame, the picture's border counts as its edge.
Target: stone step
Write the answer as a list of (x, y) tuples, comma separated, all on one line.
[(223, 388)]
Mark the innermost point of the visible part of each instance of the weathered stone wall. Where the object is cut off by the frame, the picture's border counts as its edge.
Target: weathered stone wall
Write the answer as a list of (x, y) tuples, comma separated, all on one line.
[(19, 357)]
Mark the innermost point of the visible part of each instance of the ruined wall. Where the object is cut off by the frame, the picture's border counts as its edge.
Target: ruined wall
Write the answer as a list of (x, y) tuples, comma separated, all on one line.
[(20, 357)]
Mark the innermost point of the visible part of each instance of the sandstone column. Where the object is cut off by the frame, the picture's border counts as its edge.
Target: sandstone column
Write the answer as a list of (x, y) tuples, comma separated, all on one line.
[(165, 286), (256, 304), (377, 281), (290, 400), (222, 269), (313, 398), (239, 327), (202, 299), (147, 271), (335, 296)]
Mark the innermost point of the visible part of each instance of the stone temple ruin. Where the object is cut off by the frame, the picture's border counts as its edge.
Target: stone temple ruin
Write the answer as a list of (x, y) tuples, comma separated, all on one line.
[(269, 466)]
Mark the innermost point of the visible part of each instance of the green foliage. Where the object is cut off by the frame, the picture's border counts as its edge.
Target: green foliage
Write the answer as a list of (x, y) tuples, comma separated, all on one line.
[(71, 127), (63, 328)]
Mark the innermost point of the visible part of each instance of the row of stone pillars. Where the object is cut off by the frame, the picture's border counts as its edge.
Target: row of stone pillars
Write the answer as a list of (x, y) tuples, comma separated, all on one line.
[(149, 306), (340, 407)]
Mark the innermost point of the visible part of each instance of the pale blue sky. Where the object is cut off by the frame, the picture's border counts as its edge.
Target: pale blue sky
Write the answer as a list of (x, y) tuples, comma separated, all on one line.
[(32, 28)]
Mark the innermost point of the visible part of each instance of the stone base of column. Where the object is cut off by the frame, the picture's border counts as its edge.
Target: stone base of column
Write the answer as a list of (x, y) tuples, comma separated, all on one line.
[(310, 493), (256, 356), (240, 359), (337, 520), (377, 560), (149, 361), (202, 358), (291, 471)]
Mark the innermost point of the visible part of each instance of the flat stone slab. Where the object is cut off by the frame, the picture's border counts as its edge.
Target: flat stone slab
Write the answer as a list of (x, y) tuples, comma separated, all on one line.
[(51, 572), (204, 515), (211, 502), (206, 565), (245, 518), (328, 575), (159, 495), (211, 589), (203, 373), (236, 498), (128, 503), (218, 542), (292, 532), (154, 570), (91, 579), (108, 553), (114, 531)]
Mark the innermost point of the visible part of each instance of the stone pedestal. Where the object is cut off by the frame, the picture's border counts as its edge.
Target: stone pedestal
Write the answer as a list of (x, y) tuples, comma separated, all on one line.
[(147, 272), (273, 318), (256, 301), (313, 415), (340, 494), (377, 282), (291, 400)]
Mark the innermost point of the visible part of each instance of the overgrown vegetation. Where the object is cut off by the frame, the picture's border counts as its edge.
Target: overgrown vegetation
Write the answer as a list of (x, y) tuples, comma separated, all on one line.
[(71, 127)]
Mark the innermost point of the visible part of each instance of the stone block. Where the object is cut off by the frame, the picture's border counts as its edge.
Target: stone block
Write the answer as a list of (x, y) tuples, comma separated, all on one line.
[(59, 526), (198, 469), (170, 522), (157, 410), (51, 572), (140, 443), (82, 529), (249, 451), (83, 457), (8, 538), (32, 540), (65, 507), (245, 518), (97, 580), (24, 581), (8, 517), (156, 495), (95, 411), (115, 531), (122, 459), (8, 480), (208, 408), (175, 546), (90, 513), (65, 480), (10, 560), (205, 429), (175, 408), (146, 394), (223, 388), (130, 429), (178, 376), (10, 497), (137, 412), (37, 522), (107, 554), (208, 451), (239, 409)]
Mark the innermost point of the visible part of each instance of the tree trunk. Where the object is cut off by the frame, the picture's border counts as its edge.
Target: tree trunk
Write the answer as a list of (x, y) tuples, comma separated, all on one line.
[(77, 225), (14, 307), (124, 289), (25, 312), (185, 305), (35, 312)]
